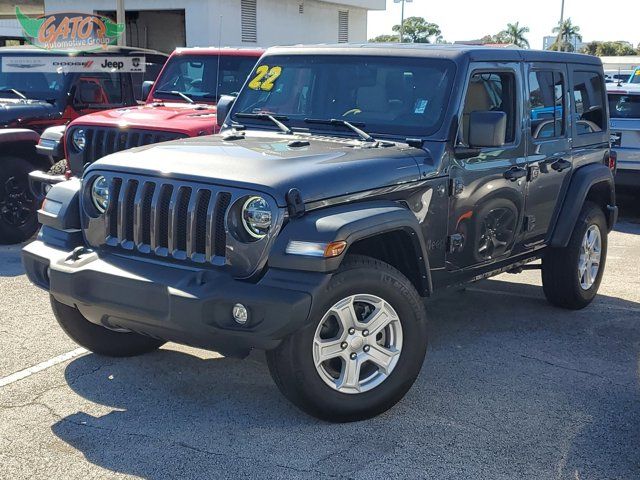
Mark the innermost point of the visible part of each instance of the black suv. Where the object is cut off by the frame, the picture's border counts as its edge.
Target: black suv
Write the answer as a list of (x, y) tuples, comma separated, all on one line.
[(348, 183)]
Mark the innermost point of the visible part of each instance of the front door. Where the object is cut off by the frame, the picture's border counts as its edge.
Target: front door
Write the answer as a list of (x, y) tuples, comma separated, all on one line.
[(487, 190), (549, 151)]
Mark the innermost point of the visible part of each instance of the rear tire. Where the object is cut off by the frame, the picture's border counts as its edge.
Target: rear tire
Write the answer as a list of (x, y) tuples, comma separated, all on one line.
[(18, 217), (319, 383), (99, 339), (570, 278)]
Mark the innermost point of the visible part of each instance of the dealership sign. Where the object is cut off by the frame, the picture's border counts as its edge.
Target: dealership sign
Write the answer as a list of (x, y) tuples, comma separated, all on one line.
[(65, 31), (67, 64)]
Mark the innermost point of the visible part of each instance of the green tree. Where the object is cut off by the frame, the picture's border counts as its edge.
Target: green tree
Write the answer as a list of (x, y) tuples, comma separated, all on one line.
[(567, 32), (418, 30), (385, 39), (606, 49), (514, 34)]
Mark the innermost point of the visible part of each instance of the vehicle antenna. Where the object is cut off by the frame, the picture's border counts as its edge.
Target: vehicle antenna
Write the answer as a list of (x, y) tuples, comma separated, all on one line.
[(218, 67)]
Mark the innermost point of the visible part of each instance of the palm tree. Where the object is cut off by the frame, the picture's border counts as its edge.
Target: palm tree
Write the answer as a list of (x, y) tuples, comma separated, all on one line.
[(566, 33), (514, 34)]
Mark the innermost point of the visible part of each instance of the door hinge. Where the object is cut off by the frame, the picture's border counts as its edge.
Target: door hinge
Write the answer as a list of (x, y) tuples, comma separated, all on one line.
[(456, 187), (455, 243)]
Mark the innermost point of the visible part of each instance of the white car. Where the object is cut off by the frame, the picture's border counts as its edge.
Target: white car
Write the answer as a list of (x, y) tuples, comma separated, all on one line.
[(624, 112)]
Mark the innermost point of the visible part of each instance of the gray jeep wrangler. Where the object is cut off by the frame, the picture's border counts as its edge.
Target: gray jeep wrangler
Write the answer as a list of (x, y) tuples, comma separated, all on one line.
[(348, 184)]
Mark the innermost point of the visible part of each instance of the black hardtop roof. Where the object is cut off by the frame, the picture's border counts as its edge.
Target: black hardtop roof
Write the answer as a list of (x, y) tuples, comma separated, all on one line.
[(110, 50), (456, 53)]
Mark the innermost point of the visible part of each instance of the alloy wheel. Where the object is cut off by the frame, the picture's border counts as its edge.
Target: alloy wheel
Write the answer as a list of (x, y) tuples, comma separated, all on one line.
[(589, 260), (16, 206), (357, 344)]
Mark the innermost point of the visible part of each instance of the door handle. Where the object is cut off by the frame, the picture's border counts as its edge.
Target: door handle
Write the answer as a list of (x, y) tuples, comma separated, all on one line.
[(515, 173), (560, 165)]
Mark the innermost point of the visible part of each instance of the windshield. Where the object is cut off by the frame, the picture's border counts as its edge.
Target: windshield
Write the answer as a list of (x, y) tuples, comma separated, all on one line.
[(404, 96), (635, 77), (196, 76), (33, 85), (624, 106)]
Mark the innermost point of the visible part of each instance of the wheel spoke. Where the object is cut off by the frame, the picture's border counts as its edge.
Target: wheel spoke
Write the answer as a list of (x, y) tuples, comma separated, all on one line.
[(350, 375), (380, 318), (328, 349), (588, 278), (382, 357), (345, 313)]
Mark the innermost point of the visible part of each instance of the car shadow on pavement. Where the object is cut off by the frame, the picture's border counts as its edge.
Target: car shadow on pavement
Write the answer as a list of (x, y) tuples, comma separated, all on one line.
[(10, 261), (511, 387)]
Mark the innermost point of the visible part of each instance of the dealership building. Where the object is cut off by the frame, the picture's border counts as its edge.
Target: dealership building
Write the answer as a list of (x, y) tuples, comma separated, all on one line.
[(167, 24)]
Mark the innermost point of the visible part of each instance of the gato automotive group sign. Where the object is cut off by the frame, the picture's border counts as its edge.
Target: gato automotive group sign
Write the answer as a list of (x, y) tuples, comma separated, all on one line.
[(65, 31)]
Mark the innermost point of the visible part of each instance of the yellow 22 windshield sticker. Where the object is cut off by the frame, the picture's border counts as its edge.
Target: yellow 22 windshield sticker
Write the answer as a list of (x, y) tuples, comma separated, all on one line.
[(265, 77)]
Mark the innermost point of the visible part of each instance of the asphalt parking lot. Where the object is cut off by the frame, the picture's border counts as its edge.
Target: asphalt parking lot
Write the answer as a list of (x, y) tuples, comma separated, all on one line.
[(511, 388)]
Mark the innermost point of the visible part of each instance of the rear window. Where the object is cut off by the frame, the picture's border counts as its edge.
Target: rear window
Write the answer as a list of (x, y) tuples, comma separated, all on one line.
[(624, 106), (588, 95)]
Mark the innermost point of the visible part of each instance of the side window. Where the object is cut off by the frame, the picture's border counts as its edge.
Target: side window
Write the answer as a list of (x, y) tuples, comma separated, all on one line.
[(588, 95), (491, 91), (546, 103)]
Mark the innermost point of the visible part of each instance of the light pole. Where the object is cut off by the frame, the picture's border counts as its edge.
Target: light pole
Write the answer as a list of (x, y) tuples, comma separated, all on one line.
[(402, 17), (120, 18)]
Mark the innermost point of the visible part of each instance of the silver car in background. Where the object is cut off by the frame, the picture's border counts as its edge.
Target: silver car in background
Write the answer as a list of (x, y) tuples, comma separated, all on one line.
[(624, 111)]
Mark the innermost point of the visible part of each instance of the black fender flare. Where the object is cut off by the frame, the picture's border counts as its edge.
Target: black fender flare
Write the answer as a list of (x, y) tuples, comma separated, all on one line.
[(351, 223), (582, 182), (19, 135)]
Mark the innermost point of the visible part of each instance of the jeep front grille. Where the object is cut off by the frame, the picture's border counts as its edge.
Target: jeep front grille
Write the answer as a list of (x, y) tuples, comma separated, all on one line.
[(102, 141), (168, 219)]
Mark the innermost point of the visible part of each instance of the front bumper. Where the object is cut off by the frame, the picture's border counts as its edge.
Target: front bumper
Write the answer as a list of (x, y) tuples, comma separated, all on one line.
[(188, 306)]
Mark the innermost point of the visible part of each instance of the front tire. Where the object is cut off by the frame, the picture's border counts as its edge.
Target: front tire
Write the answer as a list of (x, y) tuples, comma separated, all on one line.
[(99, 339), (363, 349), (571, 275), (18, 218)]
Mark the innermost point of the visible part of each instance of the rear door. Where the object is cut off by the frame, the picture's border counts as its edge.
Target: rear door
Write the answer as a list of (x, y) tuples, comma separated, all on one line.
[(549, 161)]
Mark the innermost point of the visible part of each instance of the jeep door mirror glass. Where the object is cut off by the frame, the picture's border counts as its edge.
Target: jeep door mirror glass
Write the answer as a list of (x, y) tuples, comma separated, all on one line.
[(147, 85), (224, 106), (487, 129)]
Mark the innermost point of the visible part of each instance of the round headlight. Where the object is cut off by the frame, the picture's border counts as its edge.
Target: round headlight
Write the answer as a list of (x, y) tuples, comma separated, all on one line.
[(100, 194), (79, 139), (256, 217)]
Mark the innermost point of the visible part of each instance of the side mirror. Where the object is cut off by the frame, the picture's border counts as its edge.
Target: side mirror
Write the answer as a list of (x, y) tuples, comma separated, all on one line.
[(88, 93), (224, 106), (147, 85), (487, 129)]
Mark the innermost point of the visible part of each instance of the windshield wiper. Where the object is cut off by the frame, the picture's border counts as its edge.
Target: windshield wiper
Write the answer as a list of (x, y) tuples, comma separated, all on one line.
[(334, 121), (177, 94), (17, 93), (273, 119)]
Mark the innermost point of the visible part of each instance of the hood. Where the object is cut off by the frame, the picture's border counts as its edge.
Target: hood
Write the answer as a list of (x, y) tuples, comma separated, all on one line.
[(325, 168), (13, 112), (186, 118)]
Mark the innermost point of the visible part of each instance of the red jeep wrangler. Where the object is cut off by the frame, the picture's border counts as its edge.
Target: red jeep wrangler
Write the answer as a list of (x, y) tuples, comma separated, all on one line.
[(180, 103), (32, 101)]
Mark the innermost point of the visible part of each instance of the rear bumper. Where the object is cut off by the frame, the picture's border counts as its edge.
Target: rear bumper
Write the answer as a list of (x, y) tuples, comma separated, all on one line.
[(175, 304)]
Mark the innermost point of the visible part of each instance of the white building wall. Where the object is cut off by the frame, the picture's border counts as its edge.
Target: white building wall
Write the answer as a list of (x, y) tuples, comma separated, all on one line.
[(278, 21), (10, 28)]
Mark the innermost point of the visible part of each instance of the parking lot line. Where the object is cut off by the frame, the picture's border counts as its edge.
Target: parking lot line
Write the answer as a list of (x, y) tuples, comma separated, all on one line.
[(27, 372)]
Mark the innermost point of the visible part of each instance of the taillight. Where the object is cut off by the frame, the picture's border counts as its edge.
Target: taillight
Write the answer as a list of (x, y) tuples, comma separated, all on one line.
[(611, 160)]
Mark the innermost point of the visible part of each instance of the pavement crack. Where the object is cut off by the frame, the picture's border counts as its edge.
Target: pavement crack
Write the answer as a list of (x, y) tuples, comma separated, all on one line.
[(571, 369)]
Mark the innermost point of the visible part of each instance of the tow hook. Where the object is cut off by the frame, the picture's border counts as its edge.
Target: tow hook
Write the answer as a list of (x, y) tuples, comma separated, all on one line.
[(77, 253)]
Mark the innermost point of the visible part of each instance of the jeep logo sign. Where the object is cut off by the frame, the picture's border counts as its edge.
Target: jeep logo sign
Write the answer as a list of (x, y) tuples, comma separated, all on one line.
[(67, 64)]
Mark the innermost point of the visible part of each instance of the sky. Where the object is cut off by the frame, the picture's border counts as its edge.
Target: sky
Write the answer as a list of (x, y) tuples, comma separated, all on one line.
[(473, 19)]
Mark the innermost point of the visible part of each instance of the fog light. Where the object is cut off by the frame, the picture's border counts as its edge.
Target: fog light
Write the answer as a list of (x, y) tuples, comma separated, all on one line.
[(240, 313)]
